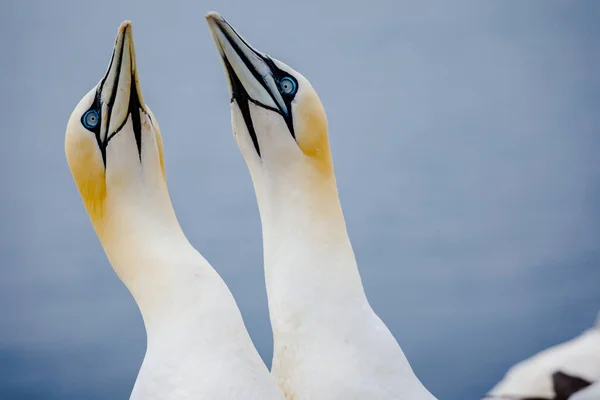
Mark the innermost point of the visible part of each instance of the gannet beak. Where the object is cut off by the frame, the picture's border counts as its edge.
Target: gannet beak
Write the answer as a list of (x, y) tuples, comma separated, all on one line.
[(119, 91), (250, 73)]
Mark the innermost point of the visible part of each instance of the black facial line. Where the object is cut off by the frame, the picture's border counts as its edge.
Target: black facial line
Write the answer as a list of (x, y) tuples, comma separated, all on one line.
[(134, 105), (241, 96), (113, 97), (97, 105), (101, 85), (241, 39), (248, 64), (278, 74)]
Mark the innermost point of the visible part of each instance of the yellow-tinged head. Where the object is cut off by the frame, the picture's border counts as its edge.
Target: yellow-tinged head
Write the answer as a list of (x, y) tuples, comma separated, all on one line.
[(277, 117), (113, 143)]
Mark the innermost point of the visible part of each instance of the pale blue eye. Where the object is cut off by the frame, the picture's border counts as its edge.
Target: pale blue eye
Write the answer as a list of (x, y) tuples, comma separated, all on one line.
[(288, 85), (90, 119)]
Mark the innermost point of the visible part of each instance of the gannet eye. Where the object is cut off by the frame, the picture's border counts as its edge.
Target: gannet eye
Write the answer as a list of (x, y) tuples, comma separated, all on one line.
[(90, 119), (288, 86)]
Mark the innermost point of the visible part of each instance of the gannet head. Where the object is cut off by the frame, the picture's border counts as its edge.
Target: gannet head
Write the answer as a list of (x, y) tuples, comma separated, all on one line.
[(113, 143), (278, 120)]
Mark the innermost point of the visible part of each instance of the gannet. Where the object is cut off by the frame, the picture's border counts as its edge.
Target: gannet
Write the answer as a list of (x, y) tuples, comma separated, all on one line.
[(197, 344), (328, 342), (575, 363)]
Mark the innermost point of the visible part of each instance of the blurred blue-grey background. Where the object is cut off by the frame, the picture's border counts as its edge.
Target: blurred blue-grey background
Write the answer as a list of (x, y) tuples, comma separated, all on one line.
[(466, 140)]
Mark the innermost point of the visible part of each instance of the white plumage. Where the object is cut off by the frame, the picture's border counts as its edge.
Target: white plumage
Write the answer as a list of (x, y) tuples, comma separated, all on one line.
[(579, 357), (198, 346), (328, 342)]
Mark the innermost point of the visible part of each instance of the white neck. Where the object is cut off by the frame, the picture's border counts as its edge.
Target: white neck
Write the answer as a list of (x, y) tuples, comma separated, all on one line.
[(329, 343), (198, 345), (307, 250)]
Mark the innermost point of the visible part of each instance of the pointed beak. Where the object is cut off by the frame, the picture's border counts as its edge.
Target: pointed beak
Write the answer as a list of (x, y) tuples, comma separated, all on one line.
[(249, 72), (119, 90)]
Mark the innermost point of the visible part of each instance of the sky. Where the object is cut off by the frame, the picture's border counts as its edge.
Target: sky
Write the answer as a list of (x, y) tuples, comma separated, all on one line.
[(465, 138)]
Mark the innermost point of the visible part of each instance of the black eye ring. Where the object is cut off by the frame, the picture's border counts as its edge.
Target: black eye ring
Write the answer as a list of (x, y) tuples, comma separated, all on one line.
[(90, 119)]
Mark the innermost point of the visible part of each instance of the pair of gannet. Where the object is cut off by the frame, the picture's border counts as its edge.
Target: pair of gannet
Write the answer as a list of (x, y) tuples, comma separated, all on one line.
[(565, 371), (328, 342)]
